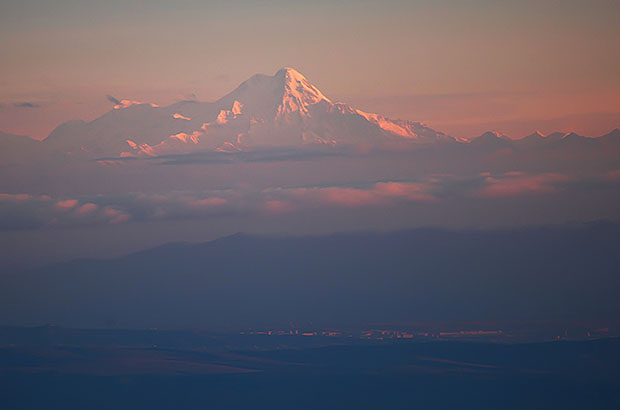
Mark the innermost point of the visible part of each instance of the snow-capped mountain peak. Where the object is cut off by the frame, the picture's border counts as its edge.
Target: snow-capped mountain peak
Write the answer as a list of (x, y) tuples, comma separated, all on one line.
[(536, 134), (284, 109), (298, 90), (490, 136), (287, 91)]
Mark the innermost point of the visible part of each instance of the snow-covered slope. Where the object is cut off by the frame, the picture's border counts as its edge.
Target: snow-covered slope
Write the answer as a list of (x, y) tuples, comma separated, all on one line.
[(280, 110), (284, 109)]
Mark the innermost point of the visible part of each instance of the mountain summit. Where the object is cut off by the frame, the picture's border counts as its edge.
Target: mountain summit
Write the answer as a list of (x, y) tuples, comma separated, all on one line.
[(280, 110), (286, 91)]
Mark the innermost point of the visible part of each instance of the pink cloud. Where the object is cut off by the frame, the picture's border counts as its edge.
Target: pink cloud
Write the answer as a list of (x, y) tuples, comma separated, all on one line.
[(278, 207), (66, 204), (379, 194), (514, 183), (115, 216), (15, 197), (86, 209), (333, 195), (110, 163), (614, 174), (413, 191), (208, 202)]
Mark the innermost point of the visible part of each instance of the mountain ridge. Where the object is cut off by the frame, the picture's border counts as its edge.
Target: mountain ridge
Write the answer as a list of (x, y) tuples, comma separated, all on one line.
[(281, 110), (284, 109), (255, 278)]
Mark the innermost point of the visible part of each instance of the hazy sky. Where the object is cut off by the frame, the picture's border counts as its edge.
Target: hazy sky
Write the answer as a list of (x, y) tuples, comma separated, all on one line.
[(461, 66)]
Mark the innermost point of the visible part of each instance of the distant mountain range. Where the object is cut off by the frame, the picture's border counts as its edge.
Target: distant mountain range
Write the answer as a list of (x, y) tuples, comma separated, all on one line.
[(419, 275), (283, 110)]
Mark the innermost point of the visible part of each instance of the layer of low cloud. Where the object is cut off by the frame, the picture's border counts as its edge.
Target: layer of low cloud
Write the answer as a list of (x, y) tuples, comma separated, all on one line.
[(24, 211), (519, 183), (265, 155)]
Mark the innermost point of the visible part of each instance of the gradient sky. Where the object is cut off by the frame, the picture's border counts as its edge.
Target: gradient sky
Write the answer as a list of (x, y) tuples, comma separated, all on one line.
[(461, 66)]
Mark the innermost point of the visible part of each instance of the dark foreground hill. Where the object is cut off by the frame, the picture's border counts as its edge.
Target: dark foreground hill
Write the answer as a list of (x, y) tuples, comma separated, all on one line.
[(240, 281)]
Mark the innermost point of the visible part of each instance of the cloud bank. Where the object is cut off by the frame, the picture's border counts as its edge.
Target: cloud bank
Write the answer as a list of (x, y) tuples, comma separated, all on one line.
[(26, 211)]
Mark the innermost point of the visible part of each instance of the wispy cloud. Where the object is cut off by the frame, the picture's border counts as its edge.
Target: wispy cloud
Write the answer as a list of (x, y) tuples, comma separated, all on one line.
[(66, 204), (26, 104), (282, 154), (15, 197), (26, 211), (518, 183), (381, 193)]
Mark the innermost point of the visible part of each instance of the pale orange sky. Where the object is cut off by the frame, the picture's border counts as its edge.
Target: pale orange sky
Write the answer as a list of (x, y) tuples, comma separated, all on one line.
[(461, 67)]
